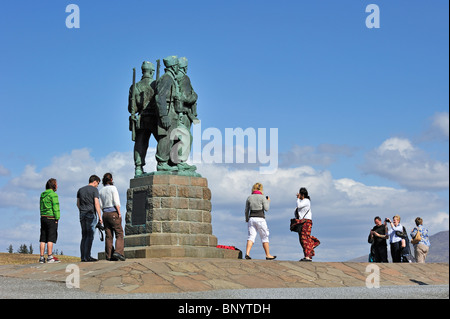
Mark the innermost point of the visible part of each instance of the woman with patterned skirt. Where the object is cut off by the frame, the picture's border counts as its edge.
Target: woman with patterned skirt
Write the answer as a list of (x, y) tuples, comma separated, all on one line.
[(303, 212)]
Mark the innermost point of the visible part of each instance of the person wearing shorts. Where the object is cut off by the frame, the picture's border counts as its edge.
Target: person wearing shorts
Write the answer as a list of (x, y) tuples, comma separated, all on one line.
[(50, 214), (256, 206)]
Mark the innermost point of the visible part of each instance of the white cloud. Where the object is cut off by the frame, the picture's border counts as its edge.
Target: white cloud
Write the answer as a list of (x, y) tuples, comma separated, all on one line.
[(437, 128), (4, 171), (358, 194), (401, 145), (398, 160), (17, 198), (73, 170), (441, 124)]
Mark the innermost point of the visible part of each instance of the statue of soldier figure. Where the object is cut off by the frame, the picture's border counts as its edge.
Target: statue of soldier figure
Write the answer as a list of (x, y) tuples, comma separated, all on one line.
[(188, 112), (171, 110), (144, 114)]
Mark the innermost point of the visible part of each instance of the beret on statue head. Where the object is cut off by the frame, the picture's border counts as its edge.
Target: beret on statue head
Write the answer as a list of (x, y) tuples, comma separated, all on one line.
[(183, 62), (170, 60), (146, 65)]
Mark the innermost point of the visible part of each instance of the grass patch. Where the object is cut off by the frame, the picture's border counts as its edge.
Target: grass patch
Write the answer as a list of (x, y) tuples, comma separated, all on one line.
[(23, 259)]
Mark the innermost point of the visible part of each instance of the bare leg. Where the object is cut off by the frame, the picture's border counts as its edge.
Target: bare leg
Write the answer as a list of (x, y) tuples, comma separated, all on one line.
[(266, 250), (42, 248), (249, 247), (49, 248)]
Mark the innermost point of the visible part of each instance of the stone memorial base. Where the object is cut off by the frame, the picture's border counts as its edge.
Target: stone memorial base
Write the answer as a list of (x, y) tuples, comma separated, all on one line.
[(170, 216)]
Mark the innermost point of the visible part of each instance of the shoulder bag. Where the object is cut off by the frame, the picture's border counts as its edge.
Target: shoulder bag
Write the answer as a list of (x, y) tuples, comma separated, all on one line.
[(417, 238), (296, 223)]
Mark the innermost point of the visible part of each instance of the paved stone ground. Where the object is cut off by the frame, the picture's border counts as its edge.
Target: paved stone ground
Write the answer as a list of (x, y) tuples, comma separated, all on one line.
[(189, 275)]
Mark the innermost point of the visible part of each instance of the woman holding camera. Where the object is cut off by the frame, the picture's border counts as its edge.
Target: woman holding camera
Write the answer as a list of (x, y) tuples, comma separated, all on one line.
[(255, 207), (303, 211), (395, 240)]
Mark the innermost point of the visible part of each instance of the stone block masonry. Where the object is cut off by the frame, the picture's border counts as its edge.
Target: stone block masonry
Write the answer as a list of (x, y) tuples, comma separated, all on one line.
[(170, 216)]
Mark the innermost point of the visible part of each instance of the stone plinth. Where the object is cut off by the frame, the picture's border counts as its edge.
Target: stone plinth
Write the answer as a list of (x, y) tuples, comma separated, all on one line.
[(170, 216)]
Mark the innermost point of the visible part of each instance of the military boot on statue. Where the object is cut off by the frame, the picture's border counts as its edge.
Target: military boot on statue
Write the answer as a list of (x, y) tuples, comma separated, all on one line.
[(163, 166), (138, 171)]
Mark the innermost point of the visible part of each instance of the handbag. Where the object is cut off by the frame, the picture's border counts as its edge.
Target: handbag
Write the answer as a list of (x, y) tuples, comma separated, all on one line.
[(416, 238), (296, 223)]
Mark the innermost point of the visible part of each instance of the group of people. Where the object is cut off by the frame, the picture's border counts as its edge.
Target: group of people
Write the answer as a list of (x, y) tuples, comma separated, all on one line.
[(256, 206), (398, 240), (97, 209), (104, 206)]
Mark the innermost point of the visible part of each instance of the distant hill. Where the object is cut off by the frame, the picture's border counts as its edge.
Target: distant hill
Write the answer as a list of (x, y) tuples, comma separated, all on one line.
[(439, 248), (438, 251)]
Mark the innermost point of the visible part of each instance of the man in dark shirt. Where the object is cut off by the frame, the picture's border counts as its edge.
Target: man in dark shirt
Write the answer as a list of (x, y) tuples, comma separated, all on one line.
[(377, 238), (89, 207)]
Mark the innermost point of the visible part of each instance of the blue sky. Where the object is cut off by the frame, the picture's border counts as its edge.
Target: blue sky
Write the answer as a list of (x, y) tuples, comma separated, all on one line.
[(362, 114)]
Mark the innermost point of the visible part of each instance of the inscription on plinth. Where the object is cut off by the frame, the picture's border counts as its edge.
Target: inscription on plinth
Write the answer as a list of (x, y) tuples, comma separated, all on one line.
[(139, 208)]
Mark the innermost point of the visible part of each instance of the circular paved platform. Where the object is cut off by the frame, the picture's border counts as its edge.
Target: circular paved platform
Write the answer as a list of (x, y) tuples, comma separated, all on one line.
[(181, 275)]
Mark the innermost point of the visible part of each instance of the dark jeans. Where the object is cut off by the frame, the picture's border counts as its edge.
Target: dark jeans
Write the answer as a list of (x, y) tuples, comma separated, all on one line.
[(396, 250), (379, 253), (88, 222)]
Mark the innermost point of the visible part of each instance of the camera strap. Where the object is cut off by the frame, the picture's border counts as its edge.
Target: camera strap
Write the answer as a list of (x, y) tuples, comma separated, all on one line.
[(298, 215), (100, 232), (306, 213), (101, 235)]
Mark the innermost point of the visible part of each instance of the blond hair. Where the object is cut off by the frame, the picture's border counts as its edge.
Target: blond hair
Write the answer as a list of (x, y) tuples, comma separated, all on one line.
[(257, 187), (398, 217)]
